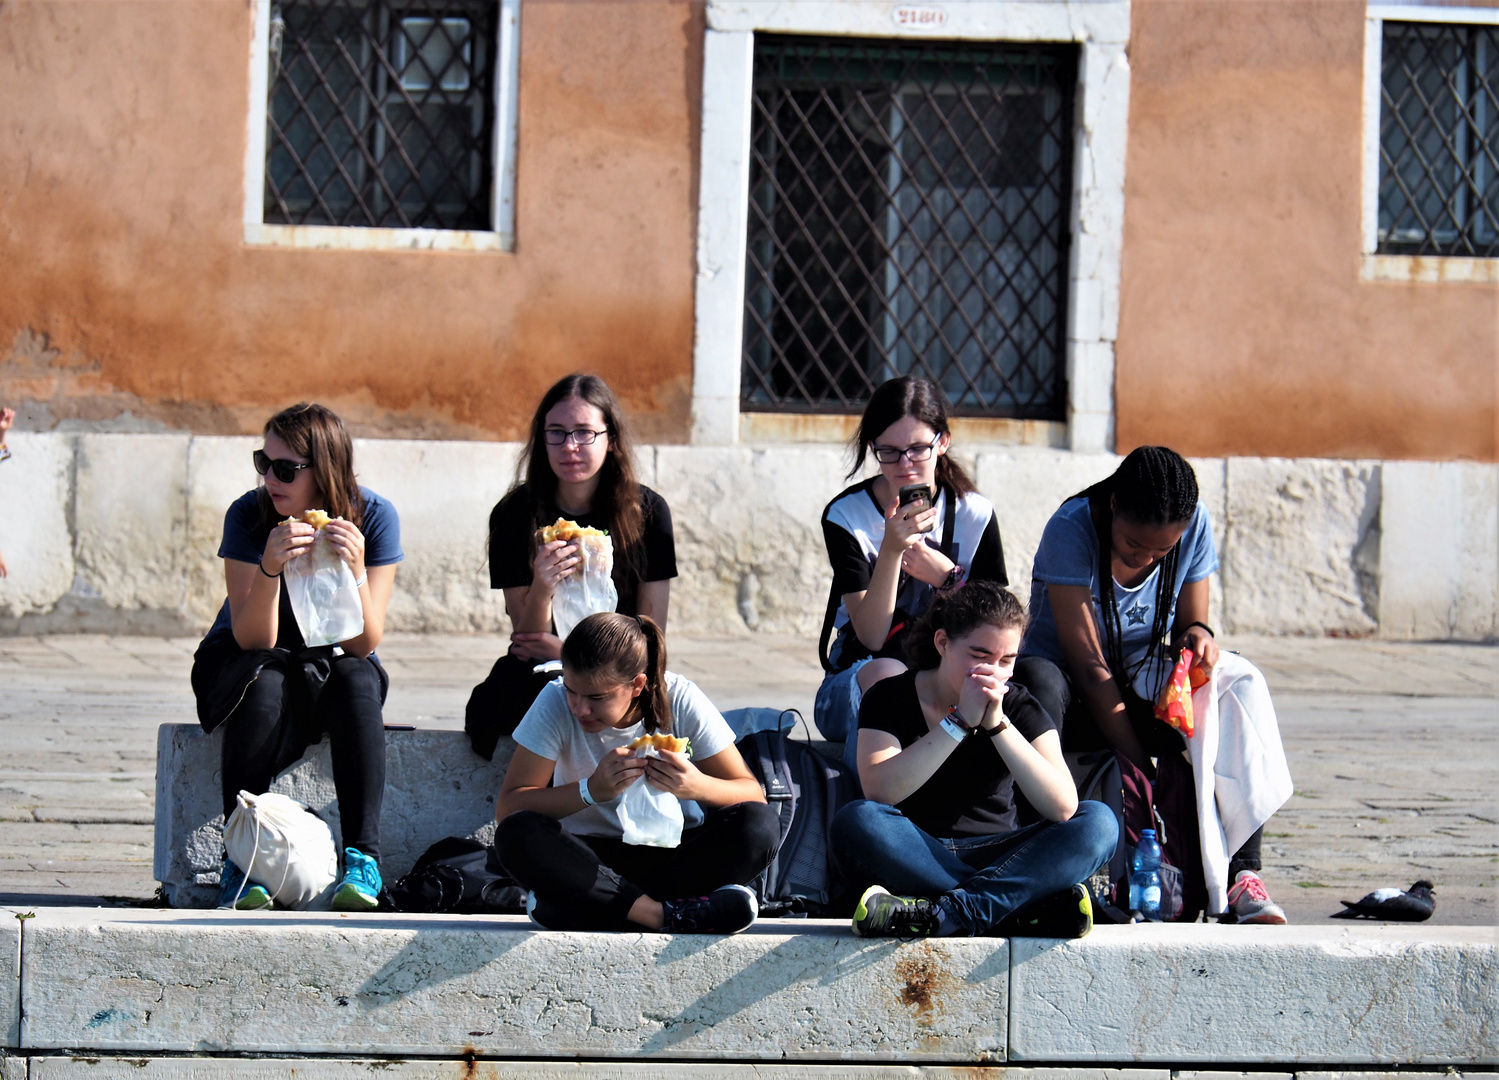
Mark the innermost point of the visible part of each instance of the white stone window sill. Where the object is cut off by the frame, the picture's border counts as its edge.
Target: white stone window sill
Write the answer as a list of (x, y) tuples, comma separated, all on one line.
[(346, 238), (1430, 269)]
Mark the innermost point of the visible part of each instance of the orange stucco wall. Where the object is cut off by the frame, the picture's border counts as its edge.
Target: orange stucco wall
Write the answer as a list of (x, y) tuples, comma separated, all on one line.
[(127, 292), (1245, 327)]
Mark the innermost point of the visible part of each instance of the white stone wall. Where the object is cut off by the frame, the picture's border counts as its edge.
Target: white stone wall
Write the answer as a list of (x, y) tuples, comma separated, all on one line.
[(119, 533)]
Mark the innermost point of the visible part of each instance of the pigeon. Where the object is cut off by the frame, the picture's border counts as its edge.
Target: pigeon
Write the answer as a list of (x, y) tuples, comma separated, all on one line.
[(1414, 905)]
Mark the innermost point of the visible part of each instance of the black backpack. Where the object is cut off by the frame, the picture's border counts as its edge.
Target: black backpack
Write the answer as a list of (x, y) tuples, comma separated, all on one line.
[(458, 875), (805, 789)]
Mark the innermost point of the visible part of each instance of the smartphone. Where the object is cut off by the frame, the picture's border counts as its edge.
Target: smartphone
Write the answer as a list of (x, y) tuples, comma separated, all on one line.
[(917, 497)]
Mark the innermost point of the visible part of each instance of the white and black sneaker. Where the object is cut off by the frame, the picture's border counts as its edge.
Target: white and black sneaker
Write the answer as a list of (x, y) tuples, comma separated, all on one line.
[(724, 911)]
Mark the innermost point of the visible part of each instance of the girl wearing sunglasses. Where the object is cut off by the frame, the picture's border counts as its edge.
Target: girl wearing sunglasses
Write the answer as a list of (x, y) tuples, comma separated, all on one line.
[(889, 560), (254, 675), (577, 464)]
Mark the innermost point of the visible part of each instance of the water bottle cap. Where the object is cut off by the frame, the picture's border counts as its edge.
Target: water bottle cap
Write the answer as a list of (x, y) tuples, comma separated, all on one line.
[(1147, 832)]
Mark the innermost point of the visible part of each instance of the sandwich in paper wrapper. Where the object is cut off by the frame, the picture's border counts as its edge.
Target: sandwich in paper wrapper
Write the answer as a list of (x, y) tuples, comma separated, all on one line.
[(589, 589)]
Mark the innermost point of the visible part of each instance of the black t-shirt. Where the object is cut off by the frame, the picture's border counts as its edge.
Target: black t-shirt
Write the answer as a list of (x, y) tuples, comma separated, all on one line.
[(513, 525), (971, 794)]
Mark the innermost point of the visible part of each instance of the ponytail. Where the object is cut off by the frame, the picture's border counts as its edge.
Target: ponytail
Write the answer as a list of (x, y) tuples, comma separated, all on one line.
[(622, 647)]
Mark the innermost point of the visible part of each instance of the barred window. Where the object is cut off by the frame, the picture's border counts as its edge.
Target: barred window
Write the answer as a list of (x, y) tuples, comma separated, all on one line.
[(1438, 140), (381, 113), (908, 212)]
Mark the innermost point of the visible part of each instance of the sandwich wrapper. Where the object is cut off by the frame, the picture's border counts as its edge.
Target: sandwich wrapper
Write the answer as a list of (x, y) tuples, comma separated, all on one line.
[(650, 817), (322, 592), (589, 589)]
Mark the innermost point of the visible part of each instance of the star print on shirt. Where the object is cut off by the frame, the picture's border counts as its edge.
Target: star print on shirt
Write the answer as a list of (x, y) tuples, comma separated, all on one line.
[(1135, 616)]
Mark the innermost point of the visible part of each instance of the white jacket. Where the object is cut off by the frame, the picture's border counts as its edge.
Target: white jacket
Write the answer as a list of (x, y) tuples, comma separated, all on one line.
[(1238, 763)]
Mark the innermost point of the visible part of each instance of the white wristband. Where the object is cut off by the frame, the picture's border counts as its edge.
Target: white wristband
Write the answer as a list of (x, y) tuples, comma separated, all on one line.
[(952, 729), (360, 583), (583, 791)]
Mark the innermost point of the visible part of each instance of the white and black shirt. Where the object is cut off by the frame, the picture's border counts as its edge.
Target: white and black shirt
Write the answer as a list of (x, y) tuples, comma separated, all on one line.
[(853, 525)]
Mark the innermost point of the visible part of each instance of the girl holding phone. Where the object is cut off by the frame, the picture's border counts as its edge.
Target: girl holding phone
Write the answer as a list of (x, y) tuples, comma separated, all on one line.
[(888, 559)]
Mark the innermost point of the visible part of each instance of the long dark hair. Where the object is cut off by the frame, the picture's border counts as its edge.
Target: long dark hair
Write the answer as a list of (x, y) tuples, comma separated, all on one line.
[(618, 495), (918, 398), (1153, 485), (621, 647), (960, 611), (316, 433)]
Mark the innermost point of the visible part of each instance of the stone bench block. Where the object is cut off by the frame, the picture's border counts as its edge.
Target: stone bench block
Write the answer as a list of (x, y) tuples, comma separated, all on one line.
[(435, 786), (321, 983), (192, 1068), (10, 972), (1348, 995)]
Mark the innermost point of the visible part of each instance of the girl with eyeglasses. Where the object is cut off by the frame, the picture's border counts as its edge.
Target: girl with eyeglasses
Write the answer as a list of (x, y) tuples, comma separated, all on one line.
[(255, 676), (889, 561), (578, 465)]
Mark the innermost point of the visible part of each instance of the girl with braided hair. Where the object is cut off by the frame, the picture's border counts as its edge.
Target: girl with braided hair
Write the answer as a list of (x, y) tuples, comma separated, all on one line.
[(560, 833), (1119, 588)]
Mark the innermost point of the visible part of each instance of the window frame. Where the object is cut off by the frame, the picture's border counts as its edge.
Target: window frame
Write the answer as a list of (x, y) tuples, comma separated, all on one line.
[(1374, 266), (1100, 28), (258, 233)]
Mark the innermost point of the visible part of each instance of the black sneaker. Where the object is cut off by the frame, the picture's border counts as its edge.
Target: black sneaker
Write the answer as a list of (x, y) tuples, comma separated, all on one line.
[(724, 911), (1067, 914), (881, 915)]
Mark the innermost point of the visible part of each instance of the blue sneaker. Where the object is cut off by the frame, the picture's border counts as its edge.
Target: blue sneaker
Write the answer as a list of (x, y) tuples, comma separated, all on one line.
[(236, 895), (360, 888)]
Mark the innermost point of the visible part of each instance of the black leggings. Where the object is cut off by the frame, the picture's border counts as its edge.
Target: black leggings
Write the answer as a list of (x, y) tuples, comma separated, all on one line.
[(595, 880), (1051, 685), (261, 738)]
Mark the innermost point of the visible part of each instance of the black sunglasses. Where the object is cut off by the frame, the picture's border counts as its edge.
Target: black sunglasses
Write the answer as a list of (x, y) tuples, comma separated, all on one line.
[(286, 471)]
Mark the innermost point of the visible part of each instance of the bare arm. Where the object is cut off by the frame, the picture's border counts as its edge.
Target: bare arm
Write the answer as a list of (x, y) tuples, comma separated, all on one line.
[(721, 780), (891, 775), (374, 597), (1077, 632), (870, 612), (525, 786), (1039, 771), (1192, 607), (653, 600)]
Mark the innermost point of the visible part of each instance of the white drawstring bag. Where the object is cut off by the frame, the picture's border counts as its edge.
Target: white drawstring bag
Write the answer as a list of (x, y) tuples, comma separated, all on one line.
[(285, 847)]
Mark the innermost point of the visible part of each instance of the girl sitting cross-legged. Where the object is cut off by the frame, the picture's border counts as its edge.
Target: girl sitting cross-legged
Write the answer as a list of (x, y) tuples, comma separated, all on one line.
[(941, 749), (565, 843)]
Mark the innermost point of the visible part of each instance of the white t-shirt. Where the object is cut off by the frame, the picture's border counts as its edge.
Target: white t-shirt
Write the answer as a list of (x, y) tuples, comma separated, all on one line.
[(550, 730)]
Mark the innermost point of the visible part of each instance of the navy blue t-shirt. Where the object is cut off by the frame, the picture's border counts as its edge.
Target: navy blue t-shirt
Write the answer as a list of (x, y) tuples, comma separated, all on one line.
[(245, 536)]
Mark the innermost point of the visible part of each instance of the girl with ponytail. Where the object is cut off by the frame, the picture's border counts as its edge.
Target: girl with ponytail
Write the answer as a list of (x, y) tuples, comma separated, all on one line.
[(1119, 588), (890, 560), (942, 750), (560, 834)]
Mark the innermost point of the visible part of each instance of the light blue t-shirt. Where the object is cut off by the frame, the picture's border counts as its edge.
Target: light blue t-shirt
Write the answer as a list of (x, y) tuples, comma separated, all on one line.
[(1068, 555)]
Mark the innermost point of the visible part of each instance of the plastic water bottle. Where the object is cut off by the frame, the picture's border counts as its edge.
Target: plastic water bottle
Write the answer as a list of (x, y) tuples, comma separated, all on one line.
[(1145, 877)]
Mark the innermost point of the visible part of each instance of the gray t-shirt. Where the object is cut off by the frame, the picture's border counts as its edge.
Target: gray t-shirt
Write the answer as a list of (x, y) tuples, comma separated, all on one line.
[(550, 731)]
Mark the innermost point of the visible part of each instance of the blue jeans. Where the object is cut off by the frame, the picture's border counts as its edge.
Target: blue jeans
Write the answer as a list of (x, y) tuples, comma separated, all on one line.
[(979, 879)]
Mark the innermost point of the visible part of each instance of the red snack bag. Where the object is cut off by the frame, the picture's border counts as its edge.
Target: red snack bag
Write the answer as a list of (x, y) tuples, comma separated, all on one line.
[(1175, 706)]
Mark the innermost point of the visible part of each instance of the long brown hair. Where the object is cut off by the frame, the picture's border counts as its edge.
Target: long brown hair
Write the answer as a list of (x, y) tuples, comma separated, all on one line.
[(918, 398), (621, 647), (618, 497), (316, 433)]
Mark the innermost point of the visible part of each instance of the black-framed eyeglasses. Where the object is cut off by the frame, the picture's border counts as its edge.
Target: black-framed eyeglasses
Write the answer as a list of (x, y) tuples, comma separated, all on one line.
[(285, 470), (578, 436), (889, 455)]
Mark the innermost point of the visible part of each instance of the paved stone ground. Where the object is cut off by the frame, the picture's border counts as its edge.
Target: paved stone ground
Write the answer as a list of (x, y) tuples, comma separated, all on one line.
[(1394, 748)]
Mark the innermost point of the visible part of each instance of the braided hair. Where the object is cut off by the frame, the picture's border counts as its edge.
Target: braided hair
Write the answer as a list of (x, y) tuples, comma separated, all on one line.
[(1155, 486)]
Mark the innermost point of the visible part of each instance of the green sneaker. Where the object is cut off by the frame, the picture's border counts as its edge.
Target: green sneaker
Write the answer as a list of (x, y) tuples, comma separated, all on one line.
[(360, 888), (1067, 914), (255, 898), (881, 915)]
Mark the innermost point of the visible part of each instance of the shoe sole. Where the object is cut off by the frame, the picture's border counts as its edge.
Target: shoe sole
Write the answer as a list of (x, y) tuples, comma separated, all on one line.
[(862, 911), (349, 898), (263, 905)]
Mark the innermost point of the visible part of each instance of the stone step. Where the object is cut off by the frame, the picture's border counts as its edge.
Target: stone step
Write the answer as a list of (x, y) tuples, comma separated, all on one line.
[(160, 982)]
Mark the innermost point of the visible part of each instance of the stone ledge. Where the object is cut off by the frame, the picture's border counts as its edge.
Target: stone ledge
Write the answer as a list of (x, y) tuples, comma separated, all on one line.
[(1283, 995), (319, 983), (10, 970), (153, 982)]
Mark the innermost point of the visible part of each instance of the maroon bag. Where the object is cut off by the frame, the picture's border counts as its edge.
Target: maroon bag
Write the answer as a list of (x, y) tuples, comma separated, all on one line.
[(1170, 807)]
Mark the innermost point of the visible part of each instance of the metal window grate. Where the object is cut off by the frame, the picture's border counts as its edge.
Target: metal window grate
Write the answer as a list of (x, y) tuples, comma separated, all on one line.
[(1438, 140), (908, 212), (381, 113)]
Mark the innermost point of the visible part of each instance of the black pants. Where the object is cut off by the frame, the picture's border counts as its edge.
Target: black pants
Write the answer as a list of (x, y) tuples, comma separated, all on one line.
[(595, 880), (262, 736), (1051, 685)]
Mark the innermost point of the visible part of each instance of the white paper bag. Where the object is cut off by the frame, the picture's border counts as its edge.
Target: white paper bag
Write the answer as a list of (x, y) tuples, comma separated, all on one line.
[(284, 846), (323, 595), (589, 589), (651, 817)]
